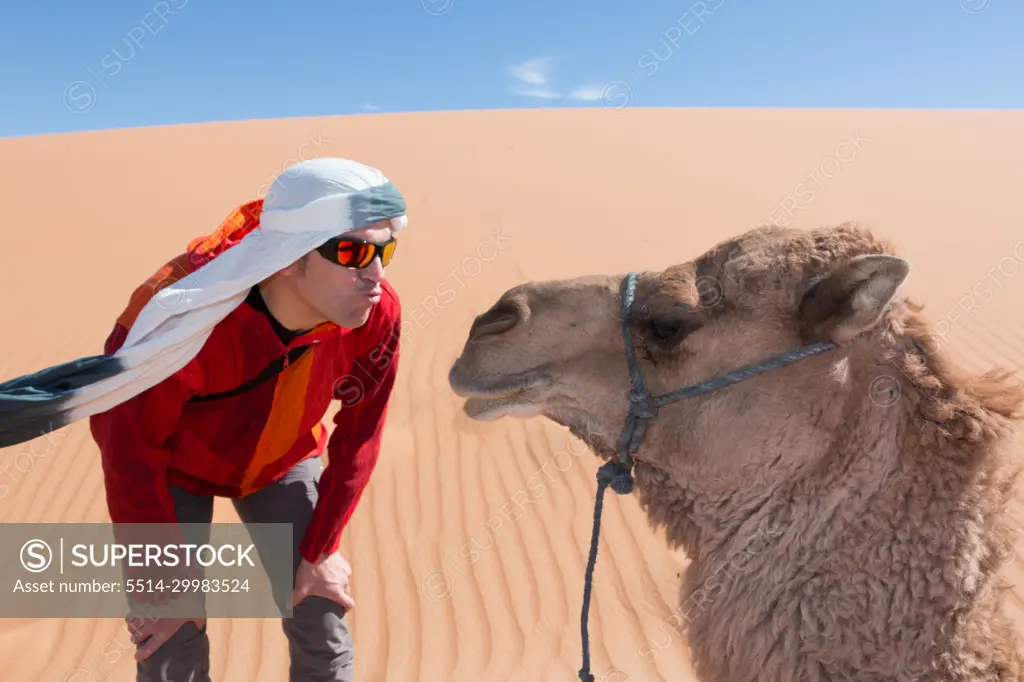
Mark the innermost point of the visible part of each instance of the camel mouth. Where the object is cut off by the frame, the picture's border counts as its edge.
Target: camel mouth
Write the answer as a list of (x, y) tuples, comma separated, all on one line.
[(488, 409), (493, 398)]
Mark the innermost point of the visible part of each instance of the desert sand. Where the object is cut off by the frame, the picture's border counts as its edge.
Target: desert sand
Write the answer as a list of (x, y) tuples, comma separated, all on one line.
[(470, 545)]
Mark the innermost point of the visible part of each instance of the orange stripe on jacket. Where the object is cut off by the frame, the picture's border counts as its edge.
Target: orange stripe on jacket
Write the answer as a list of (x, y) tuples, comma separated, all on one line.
[(282, 426)]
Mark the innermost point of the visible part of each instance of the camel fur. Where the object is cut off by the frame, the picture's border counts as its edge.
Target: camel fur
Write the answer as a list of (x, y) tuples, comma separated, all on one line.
[(844, 515)]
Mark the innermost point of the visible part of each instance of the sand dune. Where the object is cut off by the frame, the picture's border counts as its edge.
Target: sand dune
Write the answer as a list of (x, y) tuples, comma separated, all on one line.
[(470, 545)]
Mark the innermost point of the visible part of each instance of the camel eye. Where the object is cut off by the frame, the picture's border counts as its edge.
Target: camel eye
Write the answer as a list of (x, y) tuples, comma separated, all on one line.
[(667, 331)]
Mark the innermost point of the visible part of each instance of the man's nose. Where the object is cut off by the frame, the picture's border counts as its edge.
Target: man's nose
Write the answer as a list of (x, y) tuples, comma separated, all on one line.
[(374, 271)]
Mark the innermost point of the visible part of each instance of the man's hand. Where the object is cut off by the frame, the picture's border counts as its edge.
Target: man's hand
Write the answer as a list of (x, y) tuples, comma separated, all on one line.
[(327, 578), (153, 632)]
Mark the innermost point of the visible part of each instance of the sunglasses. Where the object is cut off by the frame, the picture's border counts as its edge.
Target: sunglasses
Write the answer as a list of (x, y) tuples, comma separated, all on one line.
[(356, 253)]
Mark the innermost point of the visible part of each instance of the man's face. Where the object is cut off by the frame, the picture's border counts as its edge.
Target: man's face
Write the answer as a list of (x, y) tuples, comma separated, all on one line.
[(341, 294)]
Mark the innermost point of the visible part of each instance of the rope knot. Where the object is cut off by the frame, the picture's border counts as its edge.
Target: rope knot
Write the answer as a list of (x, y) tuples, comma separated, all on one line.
[(642, 405), (617, 476)]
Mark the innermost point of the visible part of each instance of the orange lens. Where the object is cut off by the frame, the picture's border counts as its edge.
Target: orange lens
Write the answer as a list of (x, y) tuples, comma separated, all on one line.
[(387, 252), (354, 254)]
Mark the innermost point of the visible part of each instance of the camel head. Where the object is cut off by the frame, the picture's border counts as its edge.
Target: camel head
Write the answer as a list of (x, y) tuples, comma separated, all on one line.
[(557, 349)]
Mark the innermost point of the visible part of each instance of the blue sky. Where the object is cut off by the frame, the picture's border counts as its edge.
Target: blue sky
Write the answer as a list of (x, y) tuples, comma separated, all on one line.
[(70, 66)]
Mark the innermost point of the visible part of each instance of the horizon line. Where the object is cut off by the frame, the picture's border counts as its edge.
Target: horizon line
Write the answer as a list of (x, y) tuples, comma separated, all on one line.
[(526, 109)]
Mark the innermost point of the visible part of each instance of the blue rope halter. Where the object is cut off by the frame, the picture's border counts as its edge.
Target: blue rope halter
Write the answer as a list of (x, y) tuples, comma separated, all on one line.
[(642, 407)]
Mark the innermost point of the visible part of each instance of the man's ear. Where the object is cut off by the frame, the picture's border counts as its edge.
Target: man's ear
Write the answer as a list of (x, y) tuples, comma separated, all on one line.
[(852, 297)]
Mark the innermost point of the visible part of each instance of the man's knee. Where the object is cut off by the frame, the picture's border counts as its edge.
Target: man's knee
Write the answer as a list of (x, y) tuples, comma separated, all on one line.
[(185, 657), (320, 641)]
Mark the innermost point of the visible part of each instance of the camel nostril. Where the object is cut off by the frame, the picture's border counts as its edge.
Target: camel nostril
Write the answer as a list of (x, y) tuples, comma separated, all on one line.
[(497, 320)]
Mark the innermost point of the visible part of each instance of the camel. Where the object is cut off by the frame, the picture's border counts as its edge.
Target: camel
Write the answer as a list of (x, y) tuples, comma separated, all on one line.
[(844, 514)]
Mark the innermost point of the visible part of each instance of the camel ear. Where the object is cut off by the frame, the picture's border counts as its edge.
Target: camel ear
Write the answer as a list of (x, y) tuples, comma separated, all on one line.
[(851, 298)]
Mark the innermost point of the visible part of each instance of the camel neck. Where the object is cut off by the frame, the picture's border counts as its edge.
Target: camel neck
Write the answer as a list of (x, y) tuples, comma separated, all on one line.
[(863, 557)]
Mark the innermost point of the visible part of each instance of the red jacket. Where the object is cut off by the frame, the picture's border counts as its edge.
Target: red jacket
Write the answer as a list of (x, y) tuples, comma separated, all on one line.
[(233, 446)]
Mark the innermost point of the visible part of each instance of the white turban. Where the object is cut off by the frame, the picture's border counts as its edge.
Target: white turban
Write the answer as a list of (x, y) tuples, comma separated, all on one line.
[(306, 205)]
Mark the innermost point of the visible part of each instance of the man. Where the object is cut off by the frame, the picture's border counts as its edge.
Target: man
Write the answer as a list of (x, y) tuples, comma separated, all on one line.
[(280, 311)]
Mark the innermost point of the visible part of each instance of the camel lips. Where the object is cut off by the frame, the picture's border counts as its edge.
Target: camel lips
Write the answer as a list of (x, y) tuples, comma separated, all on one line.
[(507, 393)]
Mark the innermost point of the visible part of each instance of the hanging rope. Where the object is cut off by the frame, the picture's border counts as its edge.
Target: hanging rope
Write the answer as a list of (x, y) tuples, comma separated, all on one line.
[(621, 481)]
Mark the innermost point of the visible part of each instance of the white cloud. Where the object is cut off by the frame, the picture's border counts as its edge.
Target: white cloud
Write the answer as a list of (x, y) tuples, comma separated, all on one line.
[(370, 106), (534, 78), (532, 72), (588, 93)]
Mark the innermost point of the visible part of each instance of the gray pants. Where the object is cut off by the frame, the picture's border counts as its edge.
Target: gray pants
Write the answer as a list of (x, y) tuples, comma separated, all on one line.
[(319, 642)]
